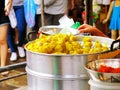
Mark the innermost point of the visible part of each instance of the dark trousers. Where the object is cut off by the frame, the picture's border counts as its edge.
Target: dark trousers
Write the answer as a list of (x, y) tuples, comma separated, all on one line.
[(21, 25), (52, 19)]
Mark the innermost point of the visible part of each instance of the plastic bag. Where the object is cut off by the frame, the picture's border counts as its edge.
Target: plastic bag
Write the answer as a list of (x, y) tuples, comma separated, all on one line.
[(65, 21), (30, 11), (12, 17), (76, 25)]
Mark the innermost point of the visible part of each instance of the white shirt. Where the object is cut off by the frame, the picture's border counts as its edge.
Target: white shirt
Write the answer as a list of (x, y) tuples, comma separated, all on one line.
[(17, 2), (55, 6), (37, 2)]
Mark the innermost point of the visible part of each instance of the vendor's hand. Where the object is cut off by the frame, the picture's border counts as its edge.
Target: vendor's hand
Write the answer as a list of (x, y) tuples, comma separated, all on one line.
[(85, 28)]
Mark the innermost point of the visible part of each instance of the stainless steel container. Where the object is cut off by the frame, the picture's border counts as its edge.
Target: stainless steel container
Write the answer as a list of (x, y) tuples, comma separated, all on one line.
[(59, 72), (51, 30), (36, 81), (93, 66), (55, 29), (67, 71)]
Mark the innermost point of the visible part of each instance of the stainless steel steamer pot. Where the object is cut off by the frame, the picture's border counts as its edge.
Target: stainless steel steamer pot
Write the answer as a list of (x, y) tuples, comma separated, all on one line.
[(51, 30), (64, 72), (55, 29)]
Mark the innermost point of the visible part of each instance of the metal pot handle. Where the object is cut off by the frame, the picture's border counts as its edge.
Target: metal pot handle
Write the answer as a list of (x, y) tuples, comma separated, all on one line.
[(113, 43), (29, 35)]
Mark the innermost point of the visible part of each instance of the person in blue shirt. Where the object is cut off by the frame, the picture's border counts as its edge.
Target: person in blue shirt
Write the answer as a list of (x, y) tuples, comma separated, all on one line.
[(114, 16)]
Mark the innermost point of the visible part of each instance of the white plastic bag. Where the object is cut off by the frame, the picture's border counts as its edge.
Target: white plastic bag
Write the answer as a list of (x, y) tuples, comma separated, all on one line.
[(65, 21), (12, 17)]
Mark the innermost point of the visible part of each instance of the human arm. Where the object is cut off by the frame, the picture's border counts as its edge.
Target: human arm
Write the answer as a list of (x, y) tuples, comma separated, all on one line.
[(71, 4), (85, 28), (8, 7), (118, 38), (109, 12)]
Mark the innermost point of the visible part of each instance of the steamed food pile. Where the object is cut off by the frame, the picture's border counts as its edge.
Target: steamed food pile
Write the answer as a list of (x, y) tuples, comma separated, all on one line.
[(66, 44)]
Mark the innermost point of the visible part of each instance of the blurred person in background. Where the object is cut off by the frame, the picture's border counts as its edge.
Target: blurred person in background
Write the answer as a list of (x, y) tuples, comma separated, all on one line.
[(4, 22), (75, 9), (54, 10), (32, 35), (13, 22), (37, 16), (21, 26)]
